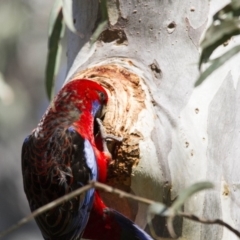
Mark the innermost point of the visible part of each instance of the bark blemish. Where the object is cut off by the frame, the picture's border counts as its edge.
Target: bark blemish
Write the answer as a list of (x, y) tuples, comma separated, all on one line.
[(171, 27), (111, 35), (226, 190), (191, 153), (126, 100), (227, 42), (156, 69), (192, 9)]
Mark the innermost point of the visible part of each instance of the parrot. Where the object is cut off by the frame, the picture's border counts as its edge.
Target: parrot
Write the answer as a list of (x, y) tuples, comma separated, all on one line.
[(60, 156), (64, 152)]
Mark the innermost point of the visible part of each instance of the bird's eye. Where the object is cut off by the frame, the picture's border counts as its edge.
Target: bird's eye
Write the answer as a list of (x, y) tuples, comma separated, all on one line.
[(102, 96)]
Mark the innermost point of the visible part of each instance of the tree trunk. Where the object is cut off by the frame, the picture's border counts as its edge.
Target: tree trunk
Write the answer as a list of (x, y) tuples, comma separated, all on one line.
[(174, 134)]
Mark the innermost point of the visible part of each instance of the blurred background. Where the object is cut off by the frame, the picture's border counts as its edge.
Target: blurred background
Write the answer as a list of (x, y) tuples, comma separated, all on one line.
[(23, 100)]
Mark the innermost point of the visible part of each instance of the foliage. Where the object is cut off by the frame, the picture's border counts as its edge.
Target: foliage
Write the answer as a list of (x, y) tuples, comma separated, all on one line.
[(62, 14), (226, 24), (56, 32), (175, 209)]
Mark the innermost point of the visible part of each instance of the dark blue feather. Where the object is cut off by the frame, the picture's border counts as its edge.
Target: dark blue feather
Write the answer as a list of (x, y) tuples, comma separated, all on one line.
[(129, 230)]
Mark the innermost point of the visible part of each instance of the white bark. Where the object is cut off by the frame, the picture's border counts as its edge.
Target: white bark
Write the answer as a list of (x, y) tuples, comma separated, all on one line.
[(187, 134)]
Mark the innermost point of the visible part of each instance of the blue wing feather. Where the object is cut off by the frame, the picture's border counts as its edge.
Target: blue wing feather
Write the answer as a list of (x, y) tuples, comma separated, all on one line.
[(129, 230)]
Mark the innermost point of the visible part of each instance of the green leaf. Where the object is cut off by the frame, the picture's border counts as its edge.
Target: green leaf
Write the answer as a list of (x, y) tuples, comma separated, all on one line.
[(157, 208), (56, 31), (185, 194), (235, 5), (57, 6), (104, 21), (104, 10), (97, 32), (229, 11), (170, 212), (216, 63), (226, 24), (68, 15), (226, 11), (217, 35)]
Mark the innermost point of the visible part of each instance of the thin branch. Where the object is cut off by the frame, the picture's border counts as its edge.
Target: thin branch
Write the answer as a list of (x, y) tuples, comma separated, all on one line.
[(69, 196), (45, 208), (208, 221), (149, 202), (121, 194)]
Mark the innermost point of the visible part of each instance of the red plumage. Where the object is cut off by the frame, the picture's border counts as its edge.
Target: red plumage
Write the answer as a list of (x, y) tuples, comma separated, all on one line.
[(63, 154), (60, 156)]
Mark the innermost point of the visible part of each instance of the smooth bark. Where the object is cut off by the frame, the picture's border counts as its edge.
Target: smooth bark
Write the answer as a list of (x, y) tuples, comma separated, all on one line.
[(183, 134)]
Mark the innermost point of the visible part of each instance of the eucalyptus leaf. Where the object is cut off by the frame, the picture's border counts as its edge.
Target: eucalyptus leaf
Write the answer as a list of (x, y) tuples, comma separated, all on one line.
[(170, 227), (230, 10), (216, 63), (57, 6), (217, 32), (217, 35), (54, 53), (68, 15), (98, 31), (157, 208), (103, 23), (104, 10), (185, 194), (235, 5)]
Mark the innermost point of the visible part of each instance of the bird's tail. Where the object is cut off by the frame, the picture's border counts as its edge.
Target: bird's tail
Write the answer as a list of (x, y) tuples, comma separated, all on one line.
[(130, 230)]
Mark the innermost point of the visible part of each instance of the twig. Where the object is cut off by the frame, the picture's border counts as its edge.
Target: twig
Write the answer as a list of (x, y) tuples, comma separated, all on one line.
[(121, 194), (181, 214), (208, 221), (45, 208), (67, 198)]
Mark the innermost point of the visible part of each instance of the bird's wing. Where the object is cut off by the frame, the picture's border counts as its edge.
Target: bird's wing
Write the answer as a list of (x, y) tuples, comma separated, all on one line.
[(129, 230), (53, 169)]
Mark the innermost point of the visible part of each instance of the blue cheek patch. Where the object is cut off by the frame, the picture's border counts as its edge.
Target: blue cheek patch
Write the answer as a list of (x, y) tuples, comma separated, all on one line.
[(95, 107)]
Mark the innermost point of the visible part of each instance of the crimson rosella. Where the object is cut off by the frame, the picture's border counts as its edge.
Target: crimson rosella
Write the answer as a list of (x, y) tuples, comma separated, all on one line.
[(59, 156), (63, 154)]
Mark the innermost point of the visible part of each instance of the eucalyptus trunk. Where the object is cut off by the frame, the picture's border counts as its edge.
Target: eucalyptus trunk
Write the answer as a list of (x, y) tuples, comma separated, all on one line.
[(174, 134)]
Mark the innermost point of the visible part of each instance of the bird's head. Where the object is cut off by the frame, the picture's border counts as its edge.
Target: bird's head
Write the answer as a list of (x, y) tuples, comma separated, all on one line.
[(79, 96)]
